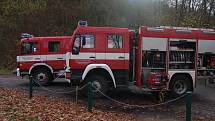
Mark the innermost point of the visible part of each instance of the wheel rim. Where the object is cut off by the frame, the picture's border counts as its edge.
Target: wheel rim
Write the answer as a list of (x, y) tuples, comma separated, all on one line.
[(96, 85), (180, 87), (41, 77)]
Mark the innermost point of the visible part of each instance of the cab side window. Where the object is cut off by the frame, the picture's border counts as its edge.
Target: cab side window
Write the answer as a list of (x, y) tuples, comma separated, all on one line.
[(84, 41), (54, 46), (29, 47), (115, 41), (87, 41)]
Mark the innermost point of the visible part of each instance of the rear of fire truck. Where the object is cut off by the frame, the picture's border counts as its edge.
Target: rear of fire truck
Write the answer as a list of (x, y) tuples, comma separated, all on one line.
[(168, 59), (179, 56), (206, 56)]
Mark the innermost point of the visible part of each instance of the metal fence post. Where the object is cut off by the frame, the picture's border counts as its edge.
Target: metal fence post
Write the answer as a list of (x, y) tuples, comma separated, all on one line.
[(76, 94), (30, 86), (188, 105), (90, 97)]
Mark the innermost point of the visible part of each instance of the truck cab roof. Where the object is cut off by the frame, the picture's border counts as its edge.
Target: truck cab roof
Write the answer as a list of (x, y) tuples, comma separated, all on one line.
[(61, 38)]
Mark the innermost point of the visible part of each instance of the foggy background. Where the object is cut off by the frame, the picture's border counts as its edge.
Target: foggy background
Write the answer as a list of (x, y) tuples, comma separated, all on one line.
[(60, 17)]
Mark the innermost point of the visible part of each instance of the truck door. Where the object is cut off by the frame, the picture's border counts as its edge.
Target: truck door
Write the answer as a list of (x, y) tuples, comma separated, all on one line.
[(30, 54), (54, 55), (115, 56), (86, 55)]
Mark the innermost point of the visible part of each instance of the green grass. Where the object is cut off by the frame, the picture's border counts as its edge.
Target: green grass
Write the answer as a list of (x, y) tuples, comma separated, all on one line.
[(4, 71)]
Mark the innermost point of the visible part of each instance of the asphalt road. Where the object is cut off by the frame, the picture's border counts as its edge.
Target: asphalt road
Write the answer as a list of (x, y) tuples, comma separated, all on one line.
[(203, 105)]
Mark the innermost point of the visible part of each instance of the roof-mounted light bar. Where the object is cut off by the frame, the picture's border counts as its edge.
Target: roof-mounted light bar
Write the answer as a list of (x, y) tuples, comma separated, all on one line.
[(26, 35), (82, 23)]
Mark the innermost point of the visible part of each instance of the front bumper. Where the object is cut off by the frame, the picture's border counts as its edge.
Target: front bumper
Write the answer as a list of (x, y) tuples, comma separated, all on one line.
[(18, 72)]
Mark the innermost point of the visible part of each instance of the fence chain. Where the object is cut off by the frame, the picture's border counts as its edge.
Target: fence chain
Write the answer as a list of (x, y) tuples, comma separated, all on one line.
[(139, 106), (58, 92), (116, 101)]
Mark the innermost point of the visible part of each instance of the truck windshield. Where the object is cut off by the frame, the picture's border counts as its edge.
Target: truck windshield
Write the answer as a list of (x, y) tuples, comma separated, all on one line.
[(29, 47)]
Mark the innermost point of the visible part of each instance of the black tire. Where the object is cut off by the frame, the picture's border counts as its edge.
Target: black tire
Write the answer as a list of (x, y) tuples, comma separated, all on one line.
[(42, 77), (180, 85), (99, 82)]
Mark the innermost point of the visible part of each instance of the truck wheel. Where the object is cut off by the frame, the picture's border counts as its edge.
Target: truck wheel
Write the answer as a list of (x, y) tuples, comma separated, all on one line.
[(180, 85), (42, 77), (99, 83)]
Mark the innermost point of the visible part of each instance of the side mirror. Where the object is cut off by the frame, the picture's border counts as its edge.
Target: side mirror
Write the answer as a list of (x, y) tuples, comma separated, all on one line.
[(83, 40), (75, 50)]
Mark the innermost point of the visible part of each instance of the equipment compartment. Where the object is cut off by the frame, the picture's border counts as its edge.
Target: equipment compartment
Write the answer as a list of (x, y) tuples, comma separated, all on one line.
[(154, 69), (206, 59), (154, 59), (182, 54)]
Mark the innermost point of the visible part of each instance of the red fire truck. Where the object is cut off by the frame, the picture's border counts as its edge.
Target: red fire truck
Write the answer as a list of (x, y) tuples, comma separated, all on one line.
[(42, 57), (164, 58), (155, 59)]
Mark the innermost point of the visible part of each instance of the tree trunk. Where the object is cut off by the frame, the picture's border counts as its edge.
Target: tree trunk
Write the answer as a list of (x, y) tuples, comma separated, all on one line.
[(189, 5)]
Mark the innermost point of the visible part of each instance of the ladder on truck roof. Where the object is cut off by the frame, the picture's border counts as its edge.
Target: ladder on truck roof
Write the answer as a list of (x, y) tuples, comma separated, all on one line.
[(180, 29)]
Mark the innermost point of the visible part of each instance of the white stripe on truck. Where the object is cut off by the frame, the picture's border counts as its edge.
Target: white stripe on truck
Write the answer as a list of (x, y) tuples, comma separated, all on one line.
[(98, 56)]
